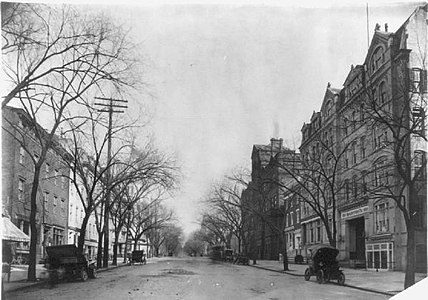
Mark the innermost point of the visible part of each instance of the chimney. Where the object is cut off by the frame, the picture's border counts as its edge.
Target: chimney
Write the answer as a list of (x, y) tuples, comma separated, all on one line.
[(275, 145), (386, 27)]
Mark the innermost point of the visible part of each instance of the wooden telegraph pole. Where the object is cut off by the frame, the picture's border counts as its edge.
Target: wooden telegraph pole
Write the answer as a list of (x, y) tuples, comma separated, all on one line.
[(109, 106)]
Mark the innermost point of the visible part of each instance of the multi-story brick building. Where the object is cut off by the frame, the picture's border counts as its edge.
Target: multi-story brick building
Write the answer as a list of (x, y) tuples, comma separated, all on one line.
[(18, 143), (264, 200), (353, 149), (362, 124)]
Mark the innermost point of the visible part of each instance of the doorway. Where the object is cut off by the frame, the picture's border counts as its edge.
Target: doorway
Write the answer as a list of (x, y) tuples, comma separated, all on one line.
[(357, 243)]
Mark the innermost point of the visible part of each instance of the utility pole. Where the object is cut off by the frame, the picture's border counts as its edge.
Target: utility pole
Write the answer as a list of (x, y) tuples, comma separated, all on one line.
[(108, 107)]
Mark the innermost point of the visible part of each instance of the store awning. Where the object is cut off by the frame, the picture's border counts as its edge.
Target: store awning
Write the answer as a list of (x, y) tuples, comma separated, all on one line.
[(9, 232)]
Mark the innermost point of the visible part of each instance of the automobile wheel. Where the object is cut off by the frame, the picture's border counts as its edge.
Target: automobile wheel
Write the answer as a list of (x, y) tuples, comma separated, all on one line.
[(92, 273), (307, 274), (320, 276), (341, 279), (83, 275)]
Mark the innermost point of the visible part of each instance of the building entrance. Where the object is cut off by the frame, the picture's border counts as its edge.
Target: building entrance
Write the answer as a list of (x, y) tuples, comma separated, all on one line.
[(357, 241)]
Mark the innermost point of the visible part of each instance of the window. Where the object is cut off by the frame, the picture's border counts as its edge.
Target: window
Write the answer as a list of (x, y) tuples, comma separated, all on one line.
[(381, 173), (382, 93), (291, 218), (57, 236), (297, 216), (354, 187), (318, 228), (21, 184), (418, 161), (354, 120), (354, 153), (364, 182), (346, 160), (380, 256), (415, 79), (381, 218), (362, 113), (347, 189), (363, 147), (418, 118), (21, 155)]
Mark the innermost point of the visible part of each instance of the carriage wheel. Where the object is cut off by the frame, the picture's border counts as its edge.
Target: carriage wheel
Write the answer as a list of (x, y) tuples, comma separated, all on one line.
[(83, 275), (307, 274), (341, 279), (320, 276)]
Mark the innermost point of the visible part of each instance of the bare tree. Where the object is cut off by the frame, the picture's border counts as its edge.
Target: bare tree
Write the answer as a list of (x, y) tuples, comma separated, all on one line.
[(56, 58), (399, 128), (223, 216), (169, 238), (146, 216), (146, 172)]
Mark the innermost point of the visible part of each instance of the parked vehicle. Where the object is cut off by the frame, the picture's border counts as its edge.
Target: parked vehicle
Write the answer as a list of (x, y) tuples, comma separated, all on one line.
[(138, 256), (325, 265), (65, 261), (228, 255)]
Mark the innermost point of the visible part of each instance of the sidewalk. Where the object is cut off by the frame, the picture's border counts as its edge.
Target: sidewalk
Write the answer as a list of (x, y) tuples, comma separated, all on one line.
[(18, 276), (384, 282)]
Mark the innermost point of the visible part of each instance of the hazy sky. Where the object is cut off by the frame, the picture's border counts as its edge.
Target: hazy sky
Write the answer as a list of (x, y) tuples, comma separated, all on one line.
[(226, 76)]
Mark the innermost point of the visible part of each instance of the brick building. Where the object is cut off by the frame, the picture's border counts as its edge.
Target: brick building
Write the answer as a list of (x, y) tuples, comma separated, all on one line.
[(264, 200), (353, 121), (18, 142)]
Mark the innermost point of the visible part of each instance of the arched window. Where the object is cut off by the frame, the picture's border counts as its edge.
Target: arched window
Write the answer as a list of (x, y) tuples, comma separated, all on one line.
[(382, 93)]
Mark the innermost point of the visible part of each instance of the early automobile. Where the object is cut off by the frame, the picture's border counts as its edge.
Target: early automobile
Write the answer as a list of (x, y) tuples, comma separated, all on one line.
[(325, 265), (66, 261), (138, 256)]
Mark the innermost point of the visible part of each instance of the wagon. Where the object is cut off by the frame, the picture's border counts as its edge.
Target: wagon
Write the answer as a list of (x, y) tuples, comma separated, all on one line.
[(324, 265), (66, 261)]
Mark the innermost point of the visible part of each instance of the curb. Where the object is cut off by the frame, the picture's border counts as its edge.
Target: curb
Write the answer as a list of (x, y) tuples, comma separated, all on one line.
[(345, 285), (45, 282)]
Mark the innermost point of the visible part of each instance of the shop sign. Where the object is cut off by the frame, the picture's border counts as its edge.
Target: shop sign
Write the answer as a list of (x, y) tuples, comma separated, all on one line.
[(354, 212)]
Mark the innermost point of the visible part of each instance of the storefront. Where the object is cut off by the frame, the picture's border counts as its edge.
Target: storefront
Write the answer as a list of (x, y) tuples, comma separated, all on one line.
[(380, 256)]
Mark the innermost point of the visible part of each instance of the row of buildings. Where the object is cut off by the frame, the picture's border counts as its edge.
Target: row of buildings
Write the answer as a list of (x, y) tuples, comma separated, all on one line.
[(60, 211), (352, 141)]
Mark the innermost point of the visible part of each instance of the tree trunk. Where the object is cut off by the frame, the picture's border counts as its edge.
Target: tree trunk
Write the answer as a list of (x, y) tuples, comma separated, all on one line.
[(116, 240), (100, 250), (82, 234), (31, 275), (106, 244), (409, 278), (285, 256)]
